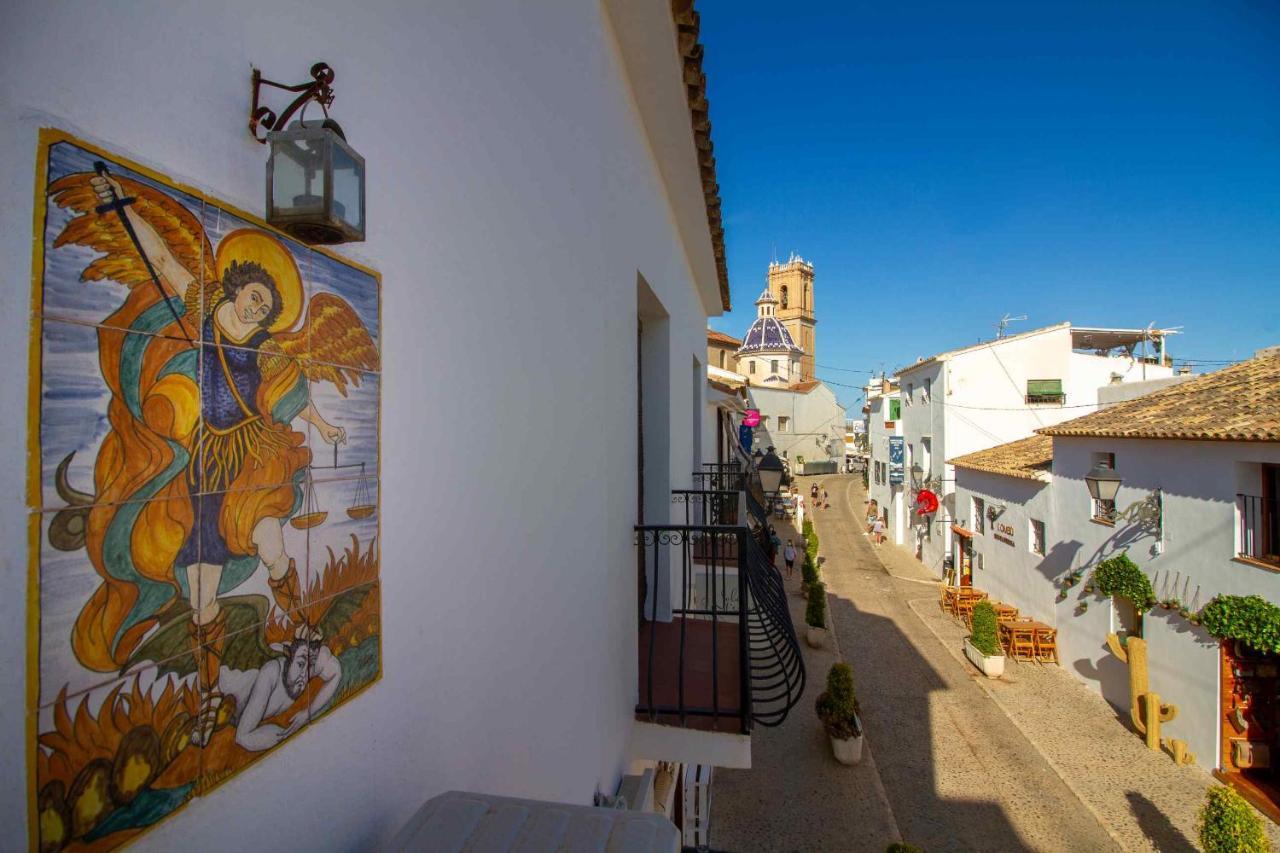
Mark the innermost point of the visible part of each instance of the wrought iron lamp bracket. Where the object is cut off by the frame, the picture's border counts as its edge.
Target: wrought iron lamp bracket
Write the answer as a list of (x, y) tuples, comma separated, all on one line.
[(318, 89)]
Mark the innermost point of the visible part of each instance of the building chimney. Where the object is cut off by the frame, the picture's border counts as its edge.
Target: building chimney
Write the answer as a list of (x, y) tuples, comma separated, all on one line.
[(1185, 370)]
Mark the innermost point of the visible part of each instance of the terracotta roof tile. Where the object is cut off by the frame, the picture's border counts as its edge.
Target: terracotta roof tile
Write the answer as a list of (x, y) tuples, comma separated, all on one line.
[(715, 337), (1027, 458), (1237, 403), (806, 386), (687, 25)]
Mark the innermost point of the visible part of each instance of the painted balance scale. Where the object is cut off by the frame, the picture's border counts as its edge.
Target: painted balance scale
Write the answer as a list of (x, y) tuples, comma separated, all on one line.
[(362, 503)]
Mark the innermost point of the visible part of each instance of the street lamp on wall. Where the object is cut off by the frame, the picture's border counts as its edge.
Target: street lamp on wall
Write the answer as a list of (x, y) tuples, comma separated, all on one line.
[(1104, 485), (771, 471), (1103, 482), (315, 180)]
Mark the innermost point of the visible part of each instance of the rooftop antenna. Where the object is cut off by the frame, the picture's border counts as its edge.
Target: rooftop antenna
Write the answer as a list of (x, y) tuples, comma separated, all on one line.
[(1004, 324), (775, 255)]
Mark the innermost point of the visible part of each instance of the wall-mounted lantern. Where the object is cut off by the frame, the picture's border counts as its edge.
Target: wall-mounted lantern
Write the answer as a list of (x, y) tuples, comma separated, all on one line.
[(315, 180), (1103, 482), (771, 471), (1104, 485)]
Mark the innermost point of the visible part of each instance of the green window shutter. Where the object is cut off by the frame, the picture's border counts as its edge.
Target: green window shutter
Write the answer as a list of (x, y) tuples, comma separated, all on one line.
[(895, 410), (1045, 387)]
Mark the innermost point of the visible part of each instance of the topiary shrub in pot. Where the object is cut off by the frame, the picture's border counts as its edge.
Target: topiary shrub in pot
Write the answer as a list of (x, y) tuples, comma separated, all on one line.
[(808, 574), (982, 646), (1228, 824), (815, 615), (837, 708)]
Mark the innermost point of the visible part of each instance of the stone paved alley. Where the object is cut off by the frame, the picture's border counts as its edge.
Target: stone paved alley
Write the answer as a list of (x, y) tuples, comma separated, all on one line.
[(1031, 761)]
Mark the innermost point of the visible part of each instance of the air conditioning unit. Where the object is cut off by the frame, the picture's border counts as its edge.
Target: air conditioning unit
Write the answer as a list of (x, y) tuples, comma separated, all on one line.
[(696, 813)]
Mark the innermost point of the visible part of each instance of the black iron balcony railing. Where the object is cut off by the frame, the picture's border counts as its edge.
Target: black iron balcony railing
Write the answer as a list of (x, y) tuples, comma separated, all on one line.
[(715, 507), (717, 477), (1259, 531), (776, 664), (717, 647)]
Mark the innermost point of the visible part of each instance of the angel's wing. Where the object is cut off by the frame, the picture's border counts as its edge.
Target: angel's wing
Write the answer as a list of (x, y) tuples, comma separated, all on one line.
[(334, 341), (120, 261)]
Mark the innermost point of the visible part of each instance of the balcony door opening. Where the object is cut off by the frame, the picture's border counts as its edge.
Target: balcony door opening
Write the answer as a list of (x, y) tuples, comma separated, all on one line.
[(653, 442)]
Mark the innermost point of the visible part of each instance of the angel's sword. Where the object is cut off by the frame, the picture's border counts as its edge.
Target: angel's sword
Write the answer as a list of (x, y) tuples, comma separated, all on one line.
[(118, 205)]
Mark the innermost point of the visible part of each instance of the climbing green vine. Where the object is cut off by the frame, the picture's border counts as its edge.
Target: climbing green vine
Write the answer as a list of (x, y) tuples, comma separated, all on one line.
[(1249, 618), (1121, 576)]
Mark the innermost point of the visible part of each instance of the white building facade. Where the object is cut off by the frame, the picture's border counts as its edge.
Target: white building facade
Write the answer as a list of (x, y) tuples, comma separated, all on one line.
[(804, 423), (1196, 511), (885, 479), (969, 399), (543, 156)]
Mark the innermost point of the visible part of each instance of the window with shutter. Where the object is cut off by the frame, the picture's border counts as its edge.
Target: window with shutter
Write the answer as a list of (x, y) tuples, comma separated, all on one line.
[(895, 410), (1045, 391)]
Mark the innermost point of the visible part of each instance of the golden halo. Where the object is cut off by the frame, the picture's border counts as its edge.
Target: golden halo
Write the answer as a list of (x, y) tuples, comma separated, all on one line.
[(250, 244)]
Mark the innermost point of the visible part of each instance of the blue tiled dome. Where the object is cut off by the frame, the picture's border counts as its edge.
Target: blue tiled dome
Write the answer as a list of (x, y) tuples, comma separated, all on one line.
[(767, 334)]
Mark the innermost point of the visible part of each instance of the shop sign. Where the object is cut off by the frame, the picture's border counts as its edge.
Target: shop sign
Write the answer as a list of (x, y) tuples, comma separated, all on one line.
[(1003, 533), (896, 443)]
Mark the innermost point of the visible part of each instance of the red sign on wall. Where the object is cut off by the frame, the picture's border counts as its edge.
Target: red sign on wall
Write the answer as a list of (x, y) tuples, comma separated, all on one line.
[(752, 418)]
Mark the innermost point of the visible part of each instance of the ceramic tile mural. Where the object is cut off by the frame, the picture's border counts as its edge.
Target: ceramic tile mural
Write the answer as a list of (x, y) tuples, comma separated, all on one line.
[(203, 490)]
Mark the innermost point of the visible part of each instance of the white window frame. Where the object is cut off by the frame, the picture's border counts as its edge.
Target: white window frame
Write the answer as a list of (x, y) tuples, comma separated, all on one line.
[(1031, 536)]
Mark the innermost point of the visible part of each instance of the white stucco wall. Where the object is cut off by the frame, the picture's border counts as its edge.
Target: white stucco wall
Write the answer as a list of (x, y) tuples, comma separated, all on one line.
[(509, 176), (815, 428), (1193, 562), (978, 400), (1011, 573), (1198, 482), (883, 493)]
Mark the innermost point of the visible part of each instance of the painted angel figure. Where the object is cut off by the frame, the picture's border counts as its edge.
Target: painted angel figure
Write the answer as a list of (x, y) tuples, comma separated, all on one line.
[(201, 466)]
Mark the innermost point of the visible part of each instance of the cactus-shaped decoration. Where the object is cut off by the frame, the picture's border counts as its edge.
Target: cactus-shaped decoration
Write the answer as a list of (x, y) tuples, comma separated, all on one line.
[(1145, 708)]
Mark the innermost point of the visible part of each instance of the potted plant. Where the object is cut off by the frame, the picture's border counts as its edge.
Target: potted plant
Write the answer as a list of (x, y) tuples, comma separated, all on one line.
[(1228, 824), (982, 646), (815, 615), (838, 710)]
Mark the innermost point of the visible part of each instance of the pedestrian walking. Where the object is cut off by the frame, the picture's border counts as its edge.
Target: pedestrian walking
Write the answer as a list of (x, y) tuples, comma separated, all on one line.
[(774, 543), (813, 492), (826, 503), (877, 532), (789, 557)]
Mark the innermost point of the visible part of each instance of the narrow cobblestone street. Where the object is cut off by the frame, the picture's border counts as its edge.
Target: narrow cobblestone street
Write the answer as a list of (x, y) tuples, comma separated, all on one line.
[(1031, 761)]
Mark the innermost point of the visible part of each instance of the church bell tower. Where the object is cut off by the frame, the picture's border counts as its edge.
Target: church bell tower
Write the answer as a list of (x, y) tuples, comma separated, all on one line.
[(792, 285)]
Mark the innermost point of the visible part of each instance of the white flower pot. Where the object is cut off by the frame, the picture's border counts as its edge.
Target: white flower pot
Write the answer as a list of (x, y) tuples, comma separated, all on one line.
[(815, 637), (849, 750), (992, 667)]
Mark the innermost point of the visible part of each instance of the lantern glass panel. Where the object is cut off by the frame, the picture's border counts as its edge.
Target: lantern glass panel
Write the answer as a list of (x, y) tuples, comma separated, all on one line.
[(297, 179), (348, 187)]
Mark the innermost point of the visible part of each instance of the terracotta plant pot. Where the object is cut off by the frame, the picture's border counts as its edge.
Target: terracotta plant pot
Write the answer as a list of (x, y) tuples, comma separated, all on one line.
[(991, 666), (815, 637)]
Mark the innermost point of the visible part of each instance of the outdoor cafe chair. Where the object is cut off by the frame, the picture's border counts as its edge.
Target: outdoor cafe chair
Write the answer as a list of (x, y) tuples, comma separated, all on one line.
[(1022, 643), (1046, 642)]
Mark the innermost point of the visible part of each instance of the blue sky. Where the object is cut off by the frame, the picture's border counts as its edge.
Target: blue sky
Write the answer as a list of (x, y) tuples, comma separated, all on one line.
[(944, 164)]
